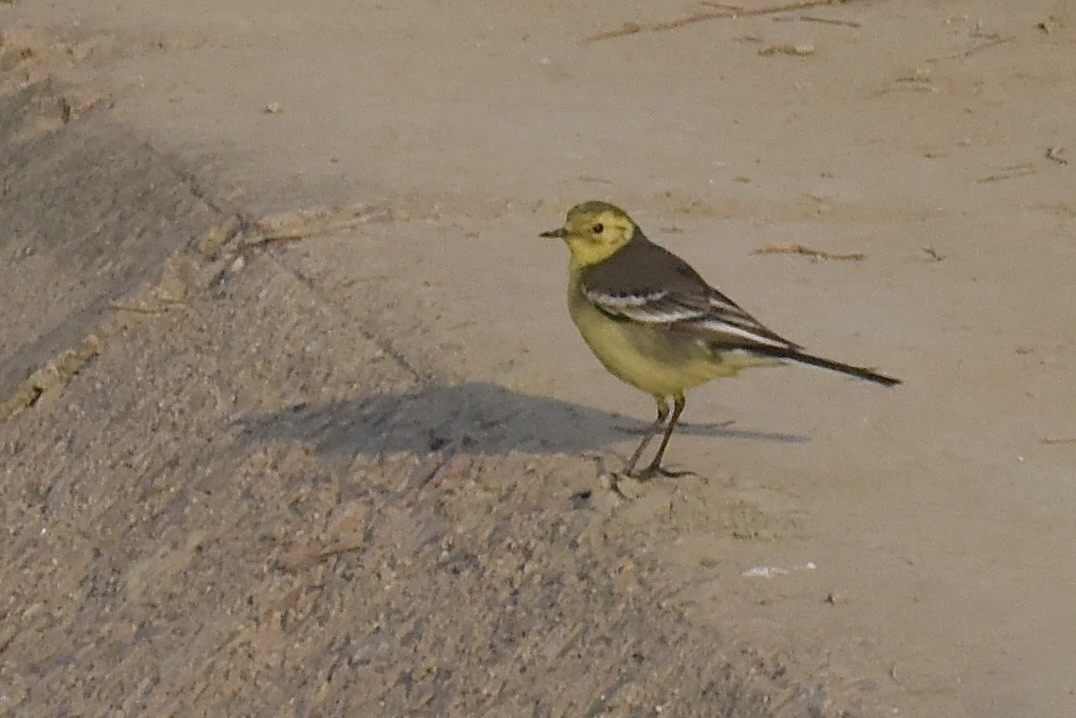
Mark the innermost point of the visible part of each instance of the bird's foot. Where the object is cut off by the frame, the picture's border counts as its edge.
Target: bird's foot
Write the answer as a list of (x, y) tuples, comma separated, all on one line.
[(651, 471), (636, 477)]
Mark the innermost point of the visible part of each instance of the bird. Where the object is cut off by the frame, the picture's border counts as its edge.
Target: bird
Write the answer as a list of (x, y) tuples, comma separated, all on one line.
[(656, 324)]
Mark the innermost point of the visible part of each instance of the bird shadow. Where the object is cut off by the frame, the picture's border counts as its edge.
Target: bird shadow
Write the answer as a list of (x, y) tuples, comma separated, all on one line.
[(476, 417)]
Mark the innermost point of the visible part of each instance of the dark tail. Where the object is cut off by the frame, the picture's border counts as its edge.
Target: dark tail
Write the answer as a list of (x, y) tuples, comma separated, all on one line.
[(798, 356)]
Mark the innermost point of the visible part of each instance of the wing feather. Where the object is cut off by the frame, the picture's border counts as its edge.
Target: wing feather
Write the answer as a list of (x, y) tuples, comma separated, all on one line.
[(713, 317), (648, 284)]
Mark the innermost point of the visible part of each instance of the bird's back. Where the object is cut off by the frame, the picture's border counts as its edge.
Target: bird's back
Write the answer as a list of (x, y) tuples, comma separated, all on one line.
[(644, 268), (670, 292)]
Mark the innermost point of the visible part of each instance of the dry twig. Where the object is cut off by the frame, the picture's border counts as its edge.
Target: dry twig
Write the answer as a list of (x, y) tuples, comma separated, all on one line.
[(301, 559), (975, 49), (1054, 155), (830, 21), (812, 253), (1010, 172), (140, 309), (720, 12)]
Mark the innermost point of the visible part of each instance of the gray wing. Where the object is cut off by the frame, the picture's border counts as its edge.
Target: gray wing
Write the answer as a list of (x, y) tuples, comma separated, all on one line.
[(657, 287)]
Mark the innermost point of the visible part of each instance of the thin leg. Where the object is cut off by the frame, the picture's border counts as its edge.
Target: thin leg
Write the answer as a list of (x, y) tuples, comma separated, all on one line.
[(655, 466), (651, 432)]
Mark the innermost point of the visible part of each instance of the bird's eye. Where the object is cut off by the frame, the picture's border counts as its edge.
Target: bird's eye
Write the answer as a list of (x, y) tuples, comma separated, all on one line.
[(598, 228)]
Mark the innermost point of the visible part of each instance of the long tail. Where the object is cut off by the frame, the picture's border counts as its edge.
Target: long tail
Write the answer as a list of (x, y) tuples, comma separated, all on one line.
[(798, 356)]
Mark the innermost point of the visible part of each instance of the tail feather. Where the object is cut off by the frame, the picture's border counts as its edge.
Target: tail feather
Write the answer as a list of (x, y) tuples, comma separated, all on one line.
[(802, 358)]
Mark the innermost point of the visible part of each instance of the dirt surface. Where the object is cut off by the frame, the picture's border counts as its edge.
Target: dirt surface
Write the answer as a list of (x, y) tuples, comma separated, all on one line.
[(293, 420)]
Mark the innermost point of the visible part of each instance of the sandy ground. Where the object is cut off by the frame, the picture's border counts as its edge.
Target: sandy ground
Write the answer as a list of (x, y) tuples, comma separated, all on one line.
[(293, 421)]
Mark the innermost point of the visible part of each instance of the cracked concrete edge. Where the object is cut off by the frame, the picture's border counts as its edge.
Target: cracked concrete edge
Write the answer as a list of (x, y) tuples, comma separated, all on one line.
[(191, 271), (41, 114), (186, 273)]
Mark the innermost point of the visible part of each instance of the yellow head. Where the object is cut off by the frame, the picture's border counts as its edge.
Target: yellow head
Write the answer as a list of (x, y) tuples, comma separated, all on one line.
[(594, 231)]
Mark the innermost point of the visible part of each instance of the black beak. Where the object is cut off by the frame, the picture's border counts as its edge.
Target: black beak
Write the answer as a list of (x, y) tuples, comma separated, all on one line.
[(557, 233)]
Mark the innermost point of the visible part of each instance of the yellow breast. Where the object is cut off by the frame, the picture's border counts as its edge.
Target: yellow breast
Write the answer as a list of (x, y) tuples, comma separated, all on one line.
[(658, 361)]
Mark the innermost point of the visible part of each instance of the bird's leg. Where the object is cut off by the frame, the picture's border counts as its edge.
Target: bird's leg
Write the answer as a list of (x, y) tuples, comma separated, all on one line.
[(651, 432), (655, 467)]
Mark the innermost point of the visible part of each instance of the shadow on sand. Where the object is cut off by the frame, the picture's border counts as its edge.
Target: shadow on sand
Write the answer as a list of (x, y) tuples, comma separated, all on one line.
[(477, 417)]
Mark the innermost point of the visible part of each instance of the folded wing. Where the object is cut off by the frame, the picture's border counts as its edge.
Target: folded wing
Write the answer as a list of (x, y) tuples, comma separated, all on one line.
[(700, 310)]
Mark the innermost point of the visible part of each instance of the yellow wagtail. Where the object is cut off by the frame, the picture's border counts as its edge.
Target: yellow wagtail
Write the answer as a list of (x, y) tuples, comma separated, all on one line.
[(657, 325)]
